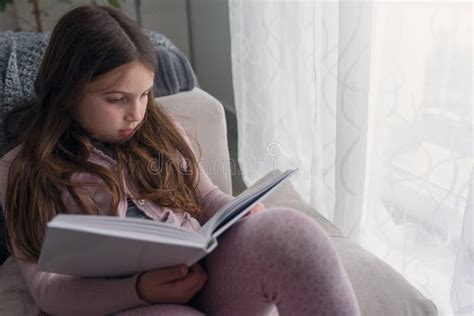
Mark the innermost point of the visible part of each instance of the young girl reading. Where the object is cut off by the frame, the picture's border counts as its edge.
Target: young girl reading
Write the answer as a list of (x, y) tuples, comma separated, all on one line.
[(84, 145)]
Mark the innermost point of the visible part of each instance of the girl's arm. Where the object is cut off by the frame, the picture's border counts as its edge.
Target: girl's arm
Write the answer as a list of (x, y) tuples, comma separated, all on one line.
[(68, 295), (212, 198)]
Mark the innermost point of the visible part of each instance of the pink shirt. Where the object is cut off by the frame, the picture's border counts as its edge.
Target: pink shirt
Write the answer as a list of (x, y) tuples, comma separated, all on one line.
[(69, 295)]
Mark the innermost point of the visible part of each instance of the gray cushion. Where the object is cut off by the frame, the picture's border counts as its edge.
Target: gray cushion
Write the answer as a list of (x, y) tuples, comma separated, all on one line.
[(380, 289)]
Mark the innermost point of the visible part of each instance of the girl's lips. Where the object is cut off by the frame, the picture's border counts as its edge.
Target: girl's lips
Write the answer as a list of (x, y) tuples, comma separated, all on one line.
[(126, 132)]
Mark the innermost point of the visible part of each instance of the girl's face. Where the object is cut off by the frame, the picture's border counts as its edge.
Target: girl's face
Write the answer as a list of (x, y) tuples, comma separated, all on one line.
[(115, 103)]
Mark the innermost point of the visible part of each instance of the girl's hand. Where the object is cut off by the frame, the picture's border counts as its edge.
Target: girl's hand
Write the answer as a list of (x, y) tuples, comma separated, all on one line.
[(171, 285), (257, 208)]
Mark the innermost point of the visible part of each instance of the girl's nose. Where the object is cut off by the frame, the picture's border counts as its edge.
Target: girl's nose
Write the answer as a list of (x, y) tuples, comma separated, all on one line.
[(134, 112)]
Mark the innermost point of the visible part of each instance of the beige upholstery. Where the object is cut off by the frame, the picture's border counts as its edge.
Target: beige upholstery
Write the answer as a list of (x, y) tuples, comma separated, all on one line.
[(203, 118)]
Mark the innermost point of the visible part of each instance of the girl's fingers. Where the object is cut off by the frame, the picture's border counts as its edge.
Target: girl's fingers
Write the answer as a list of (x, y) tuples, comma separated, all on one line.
[(195, 276), (167, 275), (257, 208)]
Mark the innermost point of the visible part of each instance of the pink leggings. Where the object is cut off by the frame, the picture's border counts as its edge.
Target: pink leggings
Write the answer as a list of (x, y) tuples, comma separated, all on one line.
[(279, 257)]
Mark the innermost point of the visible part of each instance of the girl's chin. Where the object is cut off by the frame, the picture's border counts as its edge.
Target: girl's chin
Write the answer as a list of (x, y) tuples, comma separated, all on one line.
[(118, 138), (124, 138)]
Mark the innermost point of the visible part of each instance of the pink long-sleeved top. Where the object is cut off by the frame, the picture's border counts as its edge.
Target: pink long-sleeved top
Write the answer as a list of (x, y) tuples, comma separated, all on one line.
[(69, 295)]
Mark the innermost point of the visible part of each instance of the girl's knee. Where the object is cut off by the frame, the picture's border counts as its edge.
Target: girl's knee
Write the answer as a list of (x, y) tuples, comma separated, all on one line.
[(285, 226), (276, 214), (290, 218), (285, 211)]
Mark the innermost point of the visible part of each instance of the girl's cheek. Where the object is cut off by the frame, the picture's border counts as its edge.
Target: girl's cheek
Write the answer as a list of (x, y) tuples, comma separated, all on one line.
[(111, 114)]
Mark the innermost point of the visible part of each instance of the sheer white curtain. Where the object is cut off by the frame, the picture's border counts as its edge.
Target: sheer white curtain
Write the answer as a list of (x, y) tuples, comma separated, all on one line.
[(372, 101)]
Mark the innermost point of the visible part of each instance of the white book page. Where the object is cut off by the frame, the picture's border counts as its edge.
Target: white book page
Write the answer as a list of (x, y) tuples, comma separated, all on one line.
[(125, 227), (238, 207)]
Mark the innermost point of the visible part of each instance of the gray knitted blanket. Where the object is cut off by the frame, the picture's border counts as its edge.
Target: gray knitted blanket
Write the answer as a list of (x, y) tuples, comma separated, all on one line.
[(21, 54)]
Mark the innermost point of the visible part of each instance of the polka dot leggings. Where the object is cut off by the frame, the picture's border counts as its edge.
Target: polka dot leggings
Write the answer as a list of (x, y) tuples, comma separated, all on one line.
[(276, 258)]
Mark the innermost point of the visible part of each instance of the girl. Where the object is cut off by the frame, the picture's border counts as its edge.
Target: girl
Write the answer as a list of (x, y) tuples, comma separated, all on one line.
[(84, 145)]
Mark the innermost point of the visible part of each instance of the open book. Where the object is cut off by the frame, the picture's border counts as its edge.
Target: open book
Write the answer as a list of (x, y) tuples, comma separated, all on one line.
[(110, 246)]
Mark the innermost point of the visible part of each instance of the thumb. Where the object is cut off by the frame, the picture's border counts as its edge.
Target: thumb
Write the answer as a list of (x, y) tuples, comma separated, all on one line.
[(166, 275)]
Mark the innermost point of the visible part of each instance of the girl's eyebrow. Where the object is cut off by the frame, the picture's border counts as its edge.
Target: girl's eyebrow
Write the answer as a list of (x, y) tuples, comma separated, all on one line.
[(123, 92)]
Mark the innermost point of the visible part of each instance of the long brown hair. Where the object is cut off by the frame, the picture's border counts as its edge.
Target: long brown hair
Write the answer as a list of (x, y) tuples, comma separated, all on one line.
[(87, 42)]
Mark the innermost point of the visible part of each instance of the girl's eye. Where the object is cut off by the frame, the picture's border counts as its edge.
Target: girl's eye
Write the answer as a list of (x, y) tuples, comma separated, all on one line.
[(117, 100), (144, 95)]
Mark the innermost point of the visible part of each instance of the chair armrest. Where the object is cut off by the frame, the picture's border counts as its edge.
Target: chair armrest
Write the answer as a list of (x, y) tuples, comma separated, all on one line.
[(203, 119)]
